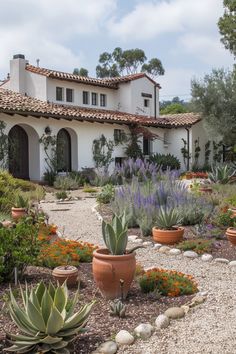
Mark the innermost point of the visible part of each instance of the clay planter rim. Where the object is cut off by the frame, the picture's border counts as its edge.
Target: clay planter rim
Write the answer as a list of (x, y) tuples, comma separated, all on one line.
[(231, 230), (18, 209), (103, 253), (176, 228), (63, 269)]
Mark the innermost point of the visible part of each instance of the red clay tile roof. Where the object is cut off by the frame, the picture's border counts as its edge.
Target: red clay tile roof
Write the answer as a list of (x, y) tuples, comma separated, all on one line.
[(15, 103), (106, 82)]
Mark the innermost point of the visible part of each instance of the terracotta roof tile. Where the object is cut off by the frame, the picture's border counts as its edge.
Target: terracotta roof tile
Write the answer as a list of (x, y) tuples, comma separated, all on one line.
[(15, 103)]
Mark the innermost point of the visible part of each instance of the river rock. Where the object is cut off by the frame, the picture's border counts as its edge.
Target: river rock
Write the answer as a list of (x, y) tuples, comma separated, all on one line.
[(147, 243), (162, 321), (124, 338), (174, 313), (157, 246), (132, 237), (190, 254), (232, 264), (206, 257), (221, 260), (144, 330), (164, 249), (174, 251), (108, 347)]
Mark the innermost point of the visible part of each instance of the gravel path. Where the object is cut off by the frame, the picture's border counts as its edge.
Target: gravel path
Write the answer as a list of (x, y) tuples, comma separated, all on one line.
[(208, 328)]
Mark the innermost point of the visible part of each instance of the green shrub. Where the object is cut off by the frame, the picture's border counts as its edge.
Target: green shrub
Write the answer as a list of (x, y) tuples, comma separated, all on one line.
[(226, 219), (66, 183), (166, 161), (167, 282), (106, 195), (221, 174), (61, 195), (191, 216), (89, 189), (199, 246), (19, 247), (79, 176)]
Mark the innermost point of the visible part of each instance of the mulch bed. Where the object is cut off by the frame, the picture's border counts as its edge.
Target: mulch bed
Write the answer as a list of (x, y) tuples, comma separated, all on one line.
[(141, 308)]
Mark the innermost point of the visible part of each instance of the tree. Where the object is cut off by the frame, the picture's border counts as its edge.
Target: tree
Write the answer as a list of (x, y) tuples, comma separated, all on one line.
[(215, 98), (127, 62), (227, 26), (81, 72), (174, 108)]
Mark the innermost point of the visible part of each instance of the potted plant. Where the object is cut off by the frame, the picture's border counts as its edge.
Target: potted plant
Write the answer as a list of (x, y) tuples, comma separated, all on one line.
[(167, 230), (231, 234), (67, 273), (20, 207), (114, 263)]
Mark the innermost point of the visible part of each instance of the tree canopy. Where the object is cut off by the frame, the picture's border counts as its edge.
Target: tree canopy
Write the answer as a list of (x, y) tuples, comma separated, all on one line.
[(215, 98), (81, 72), (227, 26), (125, 62), (173, 108)]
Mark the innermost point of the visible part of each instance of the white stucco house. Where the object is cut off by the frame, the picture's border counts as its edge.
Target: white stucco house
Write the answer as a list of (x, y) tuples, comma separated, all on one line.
[(79, 109)]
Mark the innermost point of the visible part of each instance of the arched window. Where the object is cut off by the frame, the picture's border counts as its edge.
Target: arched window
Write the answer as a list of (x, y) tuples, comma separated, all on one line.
[(18, 152), (63, 151)]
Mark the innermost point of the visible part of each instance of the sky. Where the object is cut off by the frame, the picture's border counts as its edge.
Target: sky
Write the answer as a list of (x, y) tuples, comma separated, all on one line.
[(183, 34)]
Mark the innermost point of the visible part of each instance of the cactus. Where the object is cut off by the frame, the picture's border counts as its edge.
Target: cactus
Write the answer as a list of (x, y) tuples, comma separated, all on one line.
[(118, 308)]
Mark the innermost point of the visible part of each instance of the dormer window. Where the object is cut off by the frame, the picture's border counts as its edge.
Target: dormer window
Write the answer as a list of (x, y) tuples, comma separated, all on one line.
[(69, 95), (59, 93), (94, 98)]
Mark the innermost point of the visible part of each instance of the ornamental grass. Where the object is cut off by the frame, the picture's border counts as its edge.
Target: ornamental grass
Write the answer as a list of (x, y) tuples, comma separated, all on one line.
[(167, 282)]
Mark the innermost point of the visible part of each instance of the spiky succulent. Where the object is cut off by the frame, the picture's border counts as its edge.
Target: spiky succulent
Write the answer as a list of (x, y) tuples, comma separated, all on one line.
[(221, 174), (118, 308), (168, 218), (115, 235), (46, 319)]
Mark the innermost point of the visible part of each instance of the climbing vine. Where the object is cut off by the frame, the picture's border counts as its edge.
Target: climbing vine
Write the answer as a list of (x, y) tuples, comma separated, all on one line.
[(102, 152), (217, 151), (185, 153), (197, 150), (207, 153), (4, 145)]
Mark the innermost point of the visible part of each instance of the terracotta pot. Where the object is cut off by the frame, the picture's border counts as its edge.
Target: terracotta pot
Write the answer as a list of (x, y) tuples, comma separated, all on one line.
[(18, 213), (233, 212), (70, 274), (231, 235), (109, 269), (205, 189), (167, 237)]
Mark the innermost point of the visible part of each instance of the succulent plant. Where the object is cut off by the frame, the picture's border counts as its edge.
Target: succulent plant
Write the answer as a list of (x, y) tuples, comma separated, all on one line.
[(221, 174), (118, 308), (47, 320), (168, 218), (115, 235), (21, 202)]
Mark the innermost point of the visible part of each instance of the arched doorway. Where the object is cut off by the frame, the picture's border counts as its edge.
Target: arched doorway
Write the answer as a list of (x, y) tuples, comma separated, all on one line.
[(18, 152), (63, 150)]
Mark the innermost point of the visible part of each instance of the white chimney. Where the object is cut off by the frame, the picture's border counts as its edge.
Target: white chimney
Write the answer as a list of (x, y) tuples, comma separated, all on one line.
[(17, 73)]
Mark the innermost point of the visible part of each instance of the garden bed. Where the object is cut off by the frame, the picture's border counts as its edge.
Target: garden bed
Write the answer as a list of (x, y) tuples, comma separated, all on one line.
[(101, 326)]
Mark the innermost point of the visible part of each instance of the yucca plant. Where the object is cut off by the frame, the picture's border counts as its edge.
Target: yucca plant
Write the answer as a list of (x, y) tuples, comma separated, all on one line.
[(168, 218), (221, 174), (46, 319)]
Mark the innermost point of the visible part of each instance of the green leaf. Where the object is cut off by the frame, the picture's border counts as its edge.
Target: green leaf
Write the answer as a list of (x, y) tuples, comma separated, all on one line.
[(35, 317), (78, 317), (55, 322), (46, 306), (51, 290), (40, 291), (111, 239), (60, 299), (51, 340)]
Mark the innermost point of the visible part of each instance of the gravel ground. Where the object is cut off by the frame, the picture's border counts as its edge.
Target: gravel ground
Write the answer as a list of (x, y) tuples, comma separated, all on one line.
[(209, 328)]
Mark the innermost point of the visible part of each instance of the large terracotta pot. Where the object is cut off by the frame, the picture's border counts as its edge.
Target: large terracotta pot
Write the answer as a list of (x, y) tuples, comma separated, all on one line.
[(70, 274), (231, 235), (18, 213), (109, 269), (167, 237)]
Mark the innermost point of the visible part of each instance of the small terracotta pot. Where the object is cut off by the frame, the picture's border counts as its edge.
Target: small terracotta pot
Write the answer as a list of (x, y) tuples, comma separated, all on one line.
[(70, 274), (109, 269), (205, 189), (18, 213), (233, 210), (231, 235), (167, 237)]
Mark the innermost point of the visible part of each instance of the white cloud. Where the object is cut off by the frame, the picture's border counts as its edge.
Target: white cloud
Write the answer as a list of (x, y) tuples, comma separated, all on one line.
[(151, 18)]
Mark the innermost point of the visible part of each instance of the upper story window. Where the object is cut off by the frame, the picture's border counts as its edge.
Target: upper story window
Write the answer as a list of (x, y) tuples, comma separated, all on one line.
[(85, 97), (103, 100), (59, 93), (119, 135), (146, 102), (94, 98), (69, 95)]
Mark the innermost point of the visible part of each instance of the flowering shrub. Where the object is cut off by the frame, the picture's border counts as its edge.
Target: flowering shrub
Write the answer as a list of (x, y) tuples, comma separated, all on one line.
[(167, 282), (63, 252)]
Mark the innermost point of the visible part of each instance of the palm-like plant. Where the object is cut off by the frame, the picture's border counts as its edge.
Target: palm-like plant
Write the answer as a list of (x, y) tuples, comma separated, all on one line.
[(47, 320), (168, 218)]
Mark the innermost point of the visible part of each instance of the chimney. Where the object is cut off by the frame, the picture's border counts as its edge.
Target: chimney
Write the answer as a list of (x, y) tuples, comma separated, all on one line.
[(17, 73)]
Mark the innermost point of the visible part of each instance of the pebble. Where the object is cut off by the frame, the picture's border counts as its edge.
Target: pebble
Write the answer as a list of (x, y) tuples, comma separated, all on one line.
[(164, 249), (162, 321), (232, 264), (221, 260), (174, 312), (197, 300), (144, 330), (190, 254), (123, 337), (206, 257), (174, 251), (157, 246), (108, 347), (132, 237), (138, 240), (186, 308), (147, 243)]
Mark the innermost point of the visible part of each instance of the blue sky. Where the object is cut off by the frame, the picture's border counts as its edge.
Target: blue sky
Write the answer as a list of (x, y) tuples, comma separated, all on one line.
[(183, 34)]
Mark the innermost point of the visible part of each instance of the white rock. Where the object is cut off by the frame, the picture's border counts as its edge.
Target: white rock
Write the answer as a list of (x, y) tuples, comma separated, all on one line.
[(206, 257), (190, 254), (124, 338), (132, 237), (138, 240), (221, 260), (197, 300), (157, 246), (147, 243), (144, 330), (164, 249), (108, 347), (175, 312), (174, 251), (203, 293), (162, 321), (232, 264)]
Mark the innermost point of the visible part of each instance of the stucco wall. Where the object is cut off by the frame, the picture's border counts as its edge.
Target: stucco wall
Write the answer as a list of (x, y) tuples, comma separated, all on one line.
[(199, 133), (36, 85)]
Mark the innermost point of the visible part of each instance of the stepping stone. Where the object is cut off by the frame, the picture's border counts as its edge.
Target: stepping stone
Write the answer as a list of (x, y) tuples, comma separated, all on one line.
[(190, 254), (221, 260), (206, 257), (124, 338), (197, 300), (175, 251), (174, 313), (162, 321), (144, 330)]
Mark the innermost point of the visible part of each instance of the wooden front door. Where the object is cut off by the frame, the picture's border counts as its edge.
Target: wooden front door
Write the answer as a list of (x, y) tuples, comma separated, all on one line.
[(18, 152), (63, 151)]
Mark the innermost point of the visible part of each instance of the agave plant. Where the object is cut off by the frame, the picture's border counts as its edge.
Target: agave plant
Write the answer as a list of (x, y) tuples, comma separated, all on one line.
[(221, 174), (118, 308), (168, 218), (47, 320), (115, 235)]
